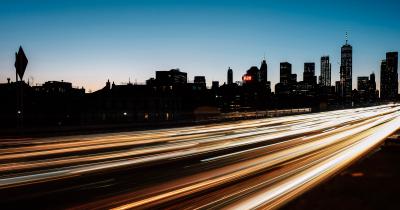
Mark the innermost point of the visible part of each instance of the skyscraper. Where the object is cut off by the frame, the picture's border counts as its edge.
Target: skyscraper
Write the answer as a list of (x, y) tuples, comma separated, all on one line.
[(230, 76), (309, 74), (263, 71), (384, 81), (373, 93), (287, 81), (346, 69), (389, 76), (372, 82), (366, 87), (338, 88), (286, 76), (325, 72), (363, 84)]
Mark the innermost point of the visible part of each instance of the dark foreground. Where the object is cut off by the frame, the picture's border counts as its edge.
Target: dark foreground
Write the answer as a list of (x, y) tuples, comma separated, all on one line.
[(372, 183), (248, 164)]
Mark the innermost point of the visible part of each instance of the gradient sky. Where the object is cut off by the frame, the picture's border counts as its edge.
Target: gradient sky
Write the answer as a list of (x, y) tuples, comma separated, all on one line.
[(87, 42)]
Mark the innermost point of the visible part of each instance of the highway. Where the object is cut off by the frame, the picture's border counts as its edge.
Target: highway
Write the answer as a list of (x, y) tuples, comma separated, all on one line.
[(247, 164)]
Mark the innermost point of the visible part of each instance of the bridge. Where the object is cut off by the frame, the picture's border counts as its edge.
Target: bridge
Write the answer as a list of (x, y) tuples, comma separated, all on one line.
[(260, 163)]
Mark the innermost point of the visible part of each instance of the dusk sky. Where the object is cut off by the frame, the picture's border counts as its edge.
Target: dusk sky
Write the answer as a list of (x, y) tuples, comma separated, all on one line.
[(87, 42)]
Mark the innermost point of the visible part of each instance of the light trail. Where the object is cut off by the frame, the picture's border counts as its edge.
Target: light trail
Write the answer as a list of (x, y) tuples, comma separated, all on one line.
[(259, 163)]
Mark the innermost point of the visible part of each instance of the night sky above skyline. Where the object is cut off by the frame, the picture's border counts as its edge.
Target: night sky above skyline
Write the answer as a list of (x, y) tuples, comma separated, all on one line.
[(87, 42)]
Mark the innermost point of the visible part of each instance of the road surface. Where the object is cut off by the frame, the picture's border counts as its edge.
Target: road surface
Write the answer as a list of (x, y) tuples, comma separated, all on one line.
[(249, 164)]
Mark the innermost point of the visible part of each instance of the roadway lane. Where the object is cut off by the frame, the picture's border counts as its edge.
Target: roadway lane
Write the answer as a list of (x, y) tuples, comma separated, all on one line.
[(243, 164)]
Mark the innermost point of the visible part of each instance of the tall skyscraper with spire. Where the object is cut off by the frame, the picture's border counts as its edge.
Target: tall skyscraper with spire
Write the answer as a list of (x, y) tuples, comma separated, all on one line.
[(325, 71), (346, 69)]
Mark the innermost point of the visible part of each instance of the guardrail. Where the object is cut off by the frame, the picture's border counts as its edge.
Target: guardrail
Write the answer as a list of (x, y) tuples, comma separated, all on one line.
[(267, 113)]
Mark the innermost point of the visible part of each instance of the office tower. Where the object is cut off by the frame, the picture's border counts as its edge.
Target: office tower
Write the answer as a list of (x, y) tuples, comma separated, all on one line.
[(363, 84), (263, 71), (171, 77), (309, 74), (285, 73), (338, 88), (325, 78), (372, 82), (366, 87), (384, 81), (389, 76), (230, 76), (372, 92), (287, 82), (346, 71)]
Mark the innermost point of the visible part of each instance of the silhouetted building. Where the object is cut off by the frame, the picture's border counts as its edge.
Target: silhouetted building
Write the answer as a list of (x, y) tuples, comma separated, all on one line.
[(286, 76), (307, 87), (215, 85), (151, 82), (52, 104), (171, 77), (287, 82), (57, 103), (338, 88), (372, 82), (389, 76), (363, 84), (252, 75), (373, 93), (200, 80), (285, 73), (169, 96), (58, 88), (385, 80), (133, 103), (366, 90), (255, 91), (263, 71), (325, 78), (346, 67), (230, 76), (309, 74), (229, 97)]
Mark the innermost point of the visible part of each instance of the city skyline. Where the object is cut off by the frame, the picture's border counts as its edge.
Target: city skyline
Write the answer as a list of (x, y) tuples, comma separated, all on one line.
[(199, 104), (88, 45), (309, 75)]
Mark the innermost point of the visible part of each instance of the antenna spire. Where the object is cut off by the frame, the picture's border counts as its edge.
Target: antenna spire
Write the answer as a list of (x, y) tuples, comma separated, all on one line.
[(347, 37)]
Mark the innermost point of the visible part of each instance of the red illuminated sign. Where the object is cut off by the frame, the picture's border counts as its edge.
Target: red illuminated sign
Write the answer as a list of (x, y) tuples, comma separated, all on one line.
[(247, 78)]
